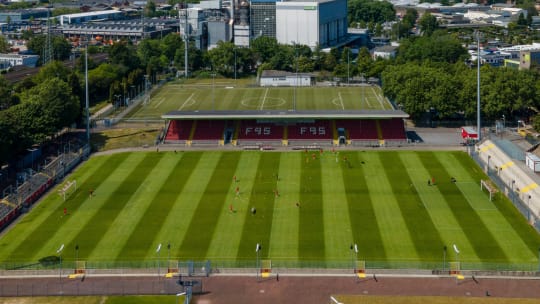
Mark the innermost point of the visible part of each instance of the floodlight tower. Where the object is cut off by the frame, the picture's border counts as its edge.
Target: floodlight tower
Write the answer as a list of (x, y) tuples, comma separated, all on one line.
[(478, 61)]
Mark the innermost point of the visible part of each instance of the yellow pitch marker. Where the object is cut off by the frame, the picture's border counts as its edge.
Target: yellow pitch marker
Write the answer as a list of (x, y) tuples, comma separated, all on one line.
[(171, 275), (460, 277), (361, 275), (265, 275)]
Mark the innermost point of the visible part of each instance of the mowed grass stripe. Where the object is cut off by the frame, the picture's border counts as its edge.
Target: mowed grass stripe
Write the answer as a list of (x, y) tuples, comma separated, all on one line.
[(40, 235), (93, 231), (311, 222), (514, 218), (481, 239), (284, 235), (203, 223), (257, 226), (443, 218), (422, 230), (143, 236), (364, 226), (178, 219), (125, 223), (44, 209), (72, 224), (337, 232), (394, 233), (510, 242), (227, 237)]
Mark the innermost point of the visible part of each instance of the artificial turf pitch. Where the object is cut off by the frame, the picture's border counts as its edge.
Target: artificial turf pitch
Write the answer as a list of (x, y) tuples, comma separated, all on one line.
[(310, 207)]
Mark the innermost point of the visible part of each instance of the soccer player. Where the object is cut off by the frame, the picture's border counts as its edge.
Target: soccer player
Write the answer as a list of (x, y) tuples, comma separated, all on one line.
[(65, 211)]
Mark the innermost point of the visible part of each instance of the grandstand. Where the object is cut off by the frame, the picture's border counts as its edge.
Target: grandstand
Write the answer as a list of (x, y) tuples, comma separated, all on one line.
[(26, 194), (286, 128)]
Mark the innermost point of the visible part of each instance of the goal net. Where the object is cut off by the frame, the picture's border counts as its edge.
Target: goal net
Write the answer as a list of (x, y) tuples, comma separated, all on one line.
[(488, 185), (67, 189)]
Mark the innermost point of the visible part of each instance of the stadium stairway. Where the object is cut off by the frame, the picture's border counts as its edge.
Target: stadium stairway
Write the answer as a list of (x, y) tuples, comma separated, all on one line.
[(285, 140), (234, 141), (379, 132), (335, 139)]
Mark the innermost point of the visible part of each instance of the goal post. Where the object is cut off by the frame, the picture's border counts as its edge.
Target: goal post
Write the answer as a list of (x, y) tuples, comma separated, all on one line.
[(488, 185), (67, 189)]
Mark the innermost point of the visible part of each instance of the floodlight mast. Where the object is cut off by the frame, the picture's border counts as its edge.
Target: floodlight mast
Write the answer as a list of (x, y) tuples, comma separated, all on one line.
[(478, 61), (186, 40)]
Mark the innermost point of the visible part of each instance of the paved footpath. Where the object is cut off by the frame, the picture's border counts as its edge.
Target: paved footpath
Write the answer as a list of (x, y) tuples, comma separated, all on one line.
[(285, 289)]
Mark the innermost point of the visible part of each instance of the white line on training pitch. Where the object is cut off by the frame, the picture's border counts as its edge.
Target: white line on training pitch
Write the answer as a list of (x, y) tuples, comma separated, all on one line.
[(161, 100), (186, 102), (379, 99), (264, 99), (341, 101), (365, 97)]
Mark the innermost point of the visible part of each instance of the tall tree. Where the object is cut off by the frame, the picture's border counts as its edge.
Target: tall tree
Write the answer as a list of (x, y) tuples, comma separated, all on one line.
[(428, 24)]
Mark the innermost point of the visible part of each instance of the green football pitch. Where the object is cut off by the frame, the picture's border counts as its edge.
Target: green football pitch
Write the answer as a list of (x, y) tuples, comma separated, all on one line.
[(310, 206), (224, 94)]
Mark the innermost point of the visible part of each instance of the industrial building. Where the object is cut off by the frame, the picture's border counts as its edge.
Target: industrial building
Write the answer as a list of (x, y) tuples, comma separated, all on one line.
[(263, 18), (90, 16), (11, 60), (313, 23), (107, 32), (22, 15)]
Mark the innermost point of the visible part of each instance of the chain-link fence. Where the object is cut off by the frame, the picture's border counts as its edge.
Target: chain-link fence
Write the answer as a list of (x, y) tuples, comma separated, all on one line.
[(94, 286)]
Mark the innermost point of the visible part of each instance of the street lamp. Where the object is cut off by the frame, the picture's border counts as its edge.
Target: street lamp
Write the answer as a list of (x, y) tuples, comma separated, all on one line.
[(348, 67), (59, 252), (257, 249), (178, 296), (512, 192), (117, 100), (478, 87), (529, 208), (457, 254), (157, 251), (213, 91), (354, 255), (444, 258), (235, 65), (296, 74)]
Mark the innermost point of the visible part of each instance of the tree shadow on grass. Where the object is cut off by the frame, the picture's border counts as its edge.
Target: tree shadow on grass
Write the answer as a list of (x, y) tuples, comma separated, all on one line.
[(45, 262)]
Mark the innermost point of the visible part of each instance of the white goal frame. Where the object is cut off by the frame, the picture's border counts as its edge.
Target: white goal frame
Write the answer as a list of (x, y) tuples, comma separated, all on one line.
[(67, 189), (490, 188)]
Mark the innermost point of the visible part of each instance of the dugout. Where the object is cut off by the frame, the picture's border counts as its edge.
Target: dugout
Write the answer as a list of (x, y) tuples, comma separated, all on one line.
[(285, 128)]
